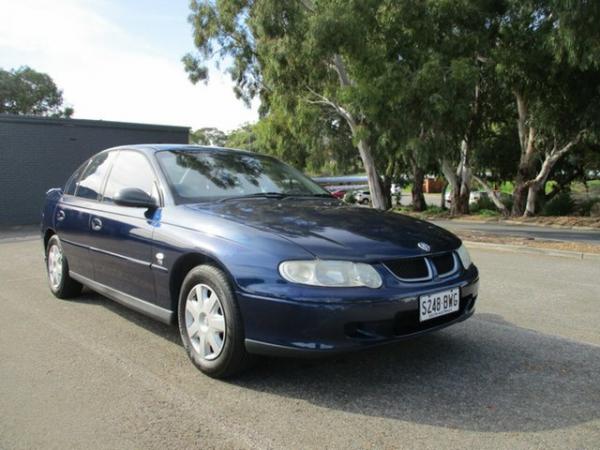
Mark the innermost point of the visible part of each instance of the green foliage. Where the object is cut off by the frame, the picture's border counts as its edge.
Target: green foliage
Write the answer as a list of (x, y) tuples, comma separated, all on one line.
[(585, 207), (484, 203), (349, 197), (26, 91), (433, 209), (243, 138), (410, 81), (561, 205), (488, 213), (208, 136)]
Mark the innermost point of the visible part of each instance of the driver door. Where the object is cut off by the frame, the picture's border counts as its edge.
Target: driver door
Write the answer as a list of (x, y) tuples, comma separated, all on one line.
[(122, 235)]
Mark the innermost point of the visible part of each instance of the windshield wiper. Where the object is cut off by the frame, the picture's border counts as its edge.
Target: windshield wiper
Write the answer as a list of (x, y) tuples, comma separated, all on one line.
[(277, 195)]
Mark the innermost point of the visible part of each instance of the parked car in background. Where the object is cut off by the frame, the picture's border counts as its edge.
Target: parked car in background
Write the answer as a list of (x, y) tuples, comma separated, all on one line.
[(249, 256), (339, 194), (362, 197)]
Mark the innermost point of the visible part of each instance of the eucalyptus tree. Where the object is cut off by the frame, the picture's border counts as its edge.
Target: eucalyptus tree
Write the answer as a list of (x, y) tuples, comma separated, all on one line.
[(208, 136), (553, 74), (325, 53), (27, 91), (448, 90)]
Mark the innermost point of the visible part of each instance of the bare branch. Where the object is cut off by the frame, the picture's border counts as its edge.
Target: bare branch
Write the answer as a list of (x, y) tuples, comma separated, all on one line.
[(492, 194), (340, 68), (308, 4), (322, 100)]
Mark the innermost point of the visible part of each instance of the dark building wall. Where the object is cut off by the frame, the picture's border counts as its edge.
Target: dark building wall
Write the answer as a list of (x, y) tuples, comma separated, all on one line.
[(38, 153)]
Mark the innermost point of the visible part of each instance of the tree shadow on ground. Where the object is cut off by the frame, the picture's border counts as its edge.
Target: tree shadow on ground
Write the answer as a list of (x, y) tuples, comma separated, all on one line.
[(482, 375), (485, 375)]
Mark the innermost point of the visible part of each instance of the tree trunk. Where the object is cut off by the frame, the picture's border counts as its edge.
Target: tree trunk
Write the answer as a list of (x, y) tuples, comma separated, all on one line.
[(525, 170), (378, 198), (418, 198), (519, 196), (532, 195), (386, 184), (535, 185), (453, 183), (443, 197), (460, 200)]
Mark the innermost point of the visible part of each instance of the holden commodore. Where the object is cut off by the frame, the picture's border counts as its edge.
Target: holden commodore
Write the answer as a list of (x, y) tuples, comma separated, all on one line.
[(248, 255)]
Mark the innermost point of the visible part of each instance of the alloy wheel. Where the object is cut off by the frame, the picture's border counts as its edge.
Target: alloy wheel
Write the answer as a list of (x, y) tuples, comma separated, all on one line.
[(55, 266), (205, 321)]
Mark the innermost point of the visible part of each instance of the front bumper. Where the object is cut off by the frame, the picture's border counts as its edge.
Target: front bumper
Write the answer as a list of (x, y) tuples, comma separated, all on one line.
[(279, 327)]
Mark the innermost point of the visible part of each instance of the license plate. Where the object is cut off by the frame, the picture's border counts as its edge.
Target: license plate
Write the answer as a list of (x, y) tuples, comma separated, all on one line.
[(438, 304)]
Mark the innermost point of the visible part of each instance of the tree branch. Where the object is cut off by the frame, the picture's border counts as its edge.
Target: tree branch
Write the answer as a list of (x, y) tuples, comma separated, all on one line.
[(322, 100), (340, 68), (492, 194)]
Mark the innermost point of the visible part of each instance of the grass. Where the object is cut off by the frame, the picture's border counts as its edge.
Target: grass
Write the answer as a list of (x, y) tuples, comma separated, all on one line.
[(487, 213)]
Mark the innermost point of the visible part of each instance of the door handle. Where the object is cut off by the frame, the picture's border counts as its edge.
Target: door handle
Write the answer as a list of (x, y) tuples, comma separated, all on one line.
[(60, 215), (96, 224)]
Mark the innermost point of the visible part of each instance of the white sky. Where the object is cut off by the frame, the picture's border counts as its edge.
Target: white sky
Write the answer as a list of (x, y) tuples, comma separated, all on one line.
[(118, 60)]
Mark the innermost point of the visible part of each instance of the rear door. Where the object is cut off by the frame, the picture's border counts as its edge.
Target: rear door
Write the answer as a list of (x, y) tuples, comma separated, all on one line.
[(73, 212), (122, 235)]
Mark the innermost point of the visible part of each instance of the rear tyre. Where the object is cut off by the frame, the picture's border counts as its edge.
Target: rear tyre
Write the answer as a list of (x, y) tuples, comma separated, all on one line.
[(57, 266), (210, 323)]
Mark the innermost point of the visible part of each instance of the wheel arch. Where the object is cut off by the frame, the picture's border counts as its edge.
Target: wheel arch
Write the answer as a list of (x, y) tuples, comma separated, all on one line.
[(47, 235), (182, 267)]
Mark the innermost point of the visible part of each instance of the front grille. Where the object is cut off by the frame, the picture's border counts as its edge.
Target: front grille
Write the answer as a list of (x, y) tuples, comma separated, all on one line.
[(413, 269), (444, 264), (422, 268)]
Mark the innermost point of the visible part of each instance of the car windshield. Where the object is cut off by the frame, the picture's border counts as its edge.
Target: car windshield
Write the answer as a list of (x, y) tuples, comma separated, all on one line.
[(199, 175)]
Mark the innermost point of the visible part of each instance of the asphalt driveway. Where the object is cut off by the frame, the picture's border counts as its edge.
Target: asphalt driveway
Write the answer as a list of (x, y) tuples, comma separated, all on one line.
[(522, 373)]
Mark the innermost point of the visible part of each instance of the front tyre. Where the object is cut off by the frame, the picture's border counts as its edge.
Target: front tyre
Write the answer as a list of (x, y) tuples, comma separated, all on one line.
[(61, 284), (210, 323)]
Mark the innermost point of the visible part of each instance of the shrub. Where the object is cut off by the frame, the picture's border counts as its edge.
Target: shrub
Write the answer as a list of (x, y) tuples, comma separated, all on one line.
[(433, 209), (561, 205), (349, 197), (488, 212), (484, 202), (585, 207), (508, 201)]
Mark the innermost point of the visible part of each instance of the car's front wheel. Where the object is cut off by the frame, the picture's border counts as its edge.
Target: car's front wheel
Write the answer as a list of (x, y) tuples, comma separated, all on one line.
[(61, 284), (210, 323)]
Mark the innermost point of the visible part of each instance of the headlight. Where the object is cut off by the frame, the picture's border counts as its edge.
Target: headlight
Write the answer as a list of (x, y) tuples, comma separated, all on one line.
[(464, 256), (330, 273)]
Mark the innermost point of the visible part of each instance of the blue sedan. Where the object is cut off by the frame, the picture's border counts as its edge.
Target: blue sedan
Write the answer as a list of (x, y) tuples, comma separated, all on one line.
[(249, 256)]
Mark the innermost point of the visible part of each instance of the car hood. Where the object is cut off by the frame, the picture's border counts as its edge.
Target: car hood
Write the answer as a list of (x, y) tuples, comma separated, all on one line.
[(331, 229)]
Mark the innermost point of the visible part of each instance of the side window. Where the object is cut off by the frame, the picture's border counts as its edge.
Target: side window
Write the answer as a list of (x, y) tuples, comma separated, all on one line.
[(130, 170), (90, 183), (71, 183)]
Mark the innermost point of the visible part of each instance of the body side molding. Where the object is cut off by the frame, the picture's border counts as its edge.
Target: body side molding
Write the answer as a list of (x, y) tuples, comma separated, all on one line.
[(137, 304)]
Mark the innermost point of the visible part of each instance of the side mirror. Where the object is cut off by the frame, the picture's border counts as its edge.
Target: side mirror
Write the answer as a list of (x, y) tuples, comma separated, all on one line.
[(135, 198)]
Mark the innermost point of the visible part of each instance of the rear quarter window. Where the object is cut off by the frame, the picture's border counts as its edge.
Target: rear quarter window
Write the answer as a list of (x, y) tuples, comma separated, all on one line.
[(72, 181)]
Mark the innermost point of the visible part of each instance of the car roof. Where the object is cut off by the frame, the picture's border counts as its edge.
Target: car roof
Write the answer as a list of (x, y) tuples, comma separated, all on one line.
[(153, 148)]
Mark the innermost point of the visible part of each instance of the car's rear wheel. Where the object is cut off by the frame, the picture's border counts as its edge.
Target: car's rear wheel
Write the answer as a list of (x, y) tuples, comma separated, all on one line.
[(210, 323), (61, 284)]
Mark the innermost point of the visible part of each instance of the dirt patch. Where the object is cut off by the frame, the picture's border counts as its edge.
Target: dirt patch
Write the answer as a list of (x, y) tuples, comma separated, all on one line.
[(475, 236), (548, 221)]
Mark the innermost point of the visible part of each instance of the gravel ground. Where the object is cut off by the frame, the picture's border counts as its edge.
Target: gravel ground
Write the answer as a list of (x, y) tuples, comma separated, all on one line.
[(523, 373)]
